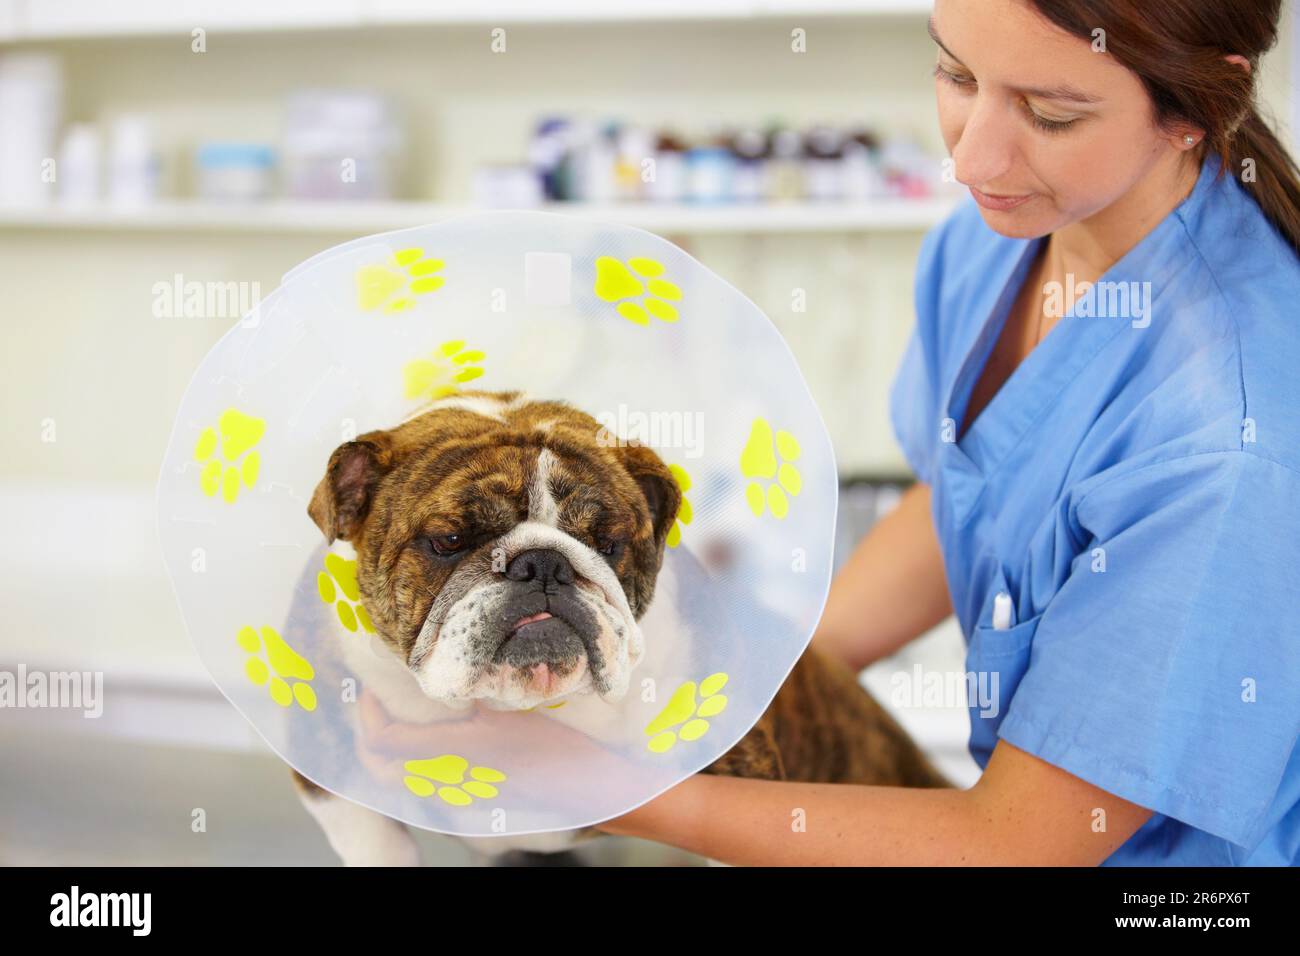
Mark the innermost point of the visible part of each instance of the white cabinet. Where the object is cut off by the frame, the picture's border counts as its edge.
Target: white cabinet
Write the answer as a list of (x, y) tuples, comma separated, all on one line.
[(486, 11), (54, 18), (8, 19)]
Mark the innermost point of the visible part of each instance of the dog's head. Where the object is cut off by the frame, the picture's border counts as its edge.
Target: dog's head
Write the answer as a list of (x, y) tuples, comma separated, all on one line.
[(506, 548)]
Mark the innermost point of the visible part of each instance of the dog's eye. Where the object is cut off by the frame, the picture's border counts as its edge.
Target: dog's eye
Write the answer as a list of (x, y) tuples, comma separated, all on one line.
[(610, 548), (445, 544)]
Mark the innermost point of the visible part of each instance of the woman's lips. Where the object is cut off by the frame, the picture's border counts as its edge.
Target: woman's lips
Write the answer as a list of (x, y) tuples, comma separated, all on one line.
[(1000, 203)]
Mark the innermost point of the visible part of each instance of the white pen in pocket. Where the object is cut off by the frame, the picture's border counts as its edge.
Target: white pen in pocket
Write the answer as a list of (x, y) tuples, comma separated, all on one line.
[(1003, 614)]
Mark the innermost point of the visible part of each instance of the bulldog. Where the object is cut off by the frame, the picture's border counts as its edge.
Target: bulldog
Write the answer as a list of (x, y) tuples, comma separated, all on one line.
[(508, 553)]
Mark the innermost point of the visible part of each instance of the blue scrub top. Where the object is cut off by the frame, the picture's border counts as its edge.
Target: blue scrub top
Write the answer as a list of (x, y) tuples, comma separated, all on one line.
[(1134, 486)]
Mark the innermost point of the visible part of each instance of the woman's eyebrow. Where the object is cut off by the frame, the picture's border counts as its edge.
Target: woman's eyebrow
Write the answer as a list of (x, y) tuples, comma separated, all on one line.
[(934, 35), (1062, 92)]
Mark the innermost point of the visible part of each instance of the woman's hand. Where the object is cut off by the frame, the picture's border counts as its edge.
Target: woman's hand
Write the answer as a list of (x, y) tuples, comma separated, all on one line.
[(384, 745)]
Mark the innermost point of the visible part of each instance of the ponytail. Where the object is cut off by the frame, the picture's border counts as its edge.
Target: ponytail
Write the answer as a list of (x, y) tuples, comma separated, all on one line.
[(1267, 172)]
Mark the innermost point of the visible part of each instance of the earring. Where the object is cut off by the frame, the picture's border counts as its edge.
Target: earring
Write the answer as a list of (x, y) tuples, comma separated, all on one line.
[(1189, 139)]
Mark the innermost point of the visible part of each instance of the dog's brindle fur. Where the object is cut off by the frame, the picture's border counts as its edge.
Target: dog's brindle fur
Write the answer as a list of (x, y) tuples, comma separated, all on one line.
[(441, 474)]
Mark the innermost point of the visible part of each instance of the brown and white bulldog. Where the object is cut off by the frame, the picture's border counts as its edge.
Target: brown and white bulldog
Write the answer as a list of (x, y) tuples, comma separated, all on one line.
[(507, 553)]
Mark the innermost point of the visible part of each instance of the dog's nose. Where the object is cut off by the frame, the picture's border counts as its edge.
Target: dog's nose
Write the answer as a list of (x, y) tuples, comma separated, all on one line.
[(544, 565)]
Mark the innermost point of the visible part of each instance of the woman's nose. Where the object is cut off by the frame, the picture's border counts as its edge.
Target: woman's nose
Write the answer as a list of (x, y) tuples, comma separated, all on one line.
[(986, 146)]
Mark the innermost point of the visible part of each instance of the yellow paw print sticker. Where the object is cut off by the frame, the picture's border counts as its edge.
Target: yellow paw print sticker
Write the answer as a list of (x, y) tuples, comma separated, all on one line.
[(236, 434), (395, 285), (638, 280), (682, 709), (285, 664), (340, 574), (761, 462), (443, 372), (684, 513), (449, 771)]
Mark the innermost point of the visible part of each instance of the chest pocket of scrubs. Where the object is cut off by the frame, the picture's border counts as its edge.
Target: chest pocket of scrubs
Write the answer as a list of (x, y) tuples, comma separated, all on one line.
[(996, 660)]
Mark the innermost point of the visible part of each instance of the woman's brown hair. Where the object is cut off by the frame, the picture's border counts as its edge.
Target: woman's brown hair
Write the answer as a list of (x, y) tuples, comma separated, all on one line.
[(1178, 49)]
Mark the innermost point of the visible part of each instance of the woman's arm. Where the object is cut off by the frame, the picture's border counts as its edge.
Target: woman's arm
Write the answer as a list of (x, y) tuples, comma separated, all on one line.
[(890, 591), (1022, 812)]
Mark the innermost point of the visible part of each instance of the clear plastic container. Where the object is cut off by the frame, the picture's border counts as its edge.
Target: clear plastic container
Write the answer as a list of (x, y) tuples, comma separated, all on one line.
[(235, 172)]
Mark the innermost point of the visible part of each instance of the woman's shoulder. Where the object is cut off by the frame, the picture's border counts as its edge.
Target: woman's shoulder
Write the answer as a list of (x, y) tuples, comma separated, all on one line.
[(1246, 282)]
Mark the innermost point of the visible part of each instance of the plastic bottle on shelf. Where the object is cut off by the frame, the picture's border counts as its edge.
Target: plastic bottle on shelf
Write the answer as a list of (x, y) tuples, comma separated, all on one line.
[(668, 183), (591, 158), (548, 149), (783, 175), (910, 171), (749, 147), (861, 167), (31, 111), (709, 171), (635, 147), (80, 160), (134, 163), (823, 164)]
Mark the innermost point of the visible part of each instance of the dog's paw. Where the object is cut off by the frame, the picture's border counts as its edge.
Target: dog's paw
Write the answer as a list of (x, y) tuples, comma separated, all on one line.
[(227, 454), (683, 709), (272, 664), (765, 458), (394, 285), (639, 289), (445, 777)]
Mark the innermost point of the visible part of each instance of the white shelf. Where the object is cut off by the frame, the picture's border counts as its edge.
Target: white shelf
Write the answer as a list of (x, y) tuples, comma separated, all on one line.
[(79, 19), (892, 215)]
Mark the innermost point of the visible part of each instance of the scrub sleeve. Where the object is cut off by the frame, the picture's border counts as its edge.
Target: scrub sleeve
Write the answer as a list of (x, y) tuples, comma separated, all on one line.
[(1166, 670)]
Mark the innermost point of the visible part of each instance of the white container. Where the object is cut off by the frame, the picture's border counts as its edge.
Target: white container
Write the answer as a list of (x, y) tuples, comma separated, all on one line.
[(235, 172), (31, 112), (133, 161), (507, 187), (669, 183), (80, 160), (340, 144)]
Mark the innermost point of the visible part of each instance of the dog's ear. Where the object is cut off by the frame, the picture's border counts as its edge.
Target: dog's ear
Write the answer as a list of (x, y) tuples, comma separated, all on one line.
[(342, 499), (657, 484)]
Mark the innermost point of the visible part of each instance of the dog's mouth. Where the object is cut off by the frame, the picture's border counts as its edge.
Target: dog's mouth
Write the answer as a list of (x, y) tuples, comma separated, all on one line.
[(543, 654)]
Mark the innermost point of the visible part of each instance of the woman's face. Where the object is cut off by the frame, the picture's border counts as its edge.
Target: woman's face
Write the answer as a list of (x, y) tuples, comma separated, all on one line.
[(1043, 130)]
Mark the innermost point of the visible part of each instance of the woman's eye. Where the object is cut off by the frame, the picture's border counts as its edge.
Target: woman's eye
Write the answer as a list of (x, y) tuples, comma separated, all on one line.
[(1049, 125), (445, 544), (964, 82), (967, 84)]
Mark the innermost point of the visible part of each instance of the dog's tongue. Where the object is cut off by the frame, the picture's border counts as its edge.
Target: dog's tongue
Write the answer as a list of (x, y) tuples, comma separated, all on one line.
[(542, 616)]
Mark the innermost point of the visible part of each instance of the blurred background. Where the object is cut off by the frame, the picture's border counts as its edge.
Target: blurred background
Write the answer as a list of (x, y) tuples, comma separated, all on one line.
[(158, 143)]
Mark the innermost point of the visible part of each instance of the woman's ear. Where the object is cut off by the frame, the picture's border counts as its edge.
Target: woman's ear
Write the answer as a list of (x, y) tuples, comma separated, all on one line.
[(342, 498), (657, 485)]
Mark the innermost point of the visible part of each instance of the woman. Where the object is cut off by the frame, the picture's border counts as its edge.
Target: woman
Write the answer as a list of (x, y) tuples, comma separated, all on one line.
[(1109, 477)]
